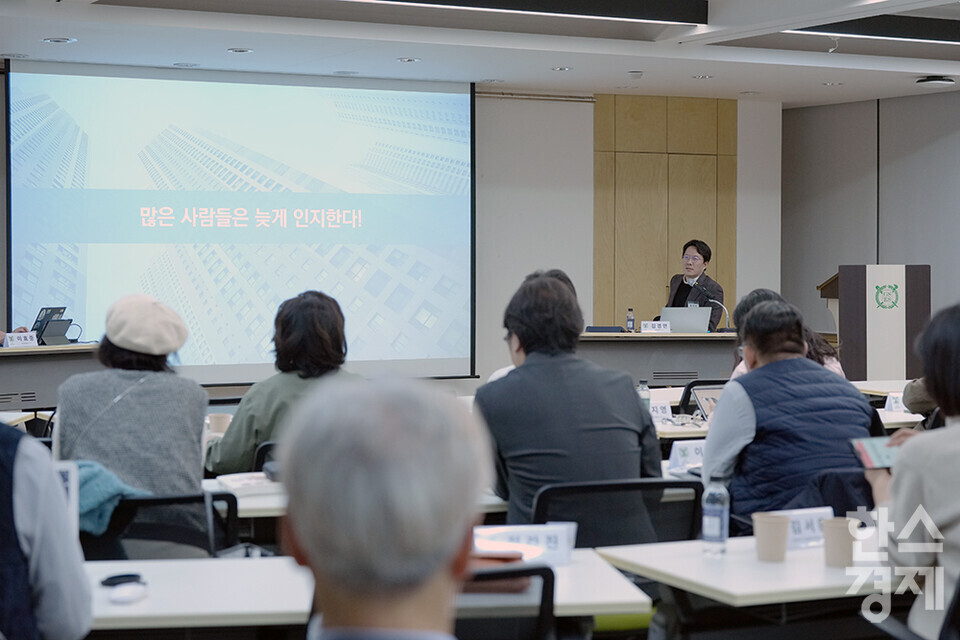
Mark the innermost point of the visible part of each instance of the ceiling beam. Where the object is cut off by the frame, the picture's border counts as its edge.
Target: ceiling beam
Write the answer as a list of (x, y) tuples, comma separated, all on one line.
[(737, 19)]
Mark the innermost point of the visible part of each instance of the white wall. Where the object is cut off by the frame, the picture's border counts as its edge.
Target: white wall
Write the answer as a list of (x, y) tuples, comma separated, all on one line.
[(534, 207), (829, 199), (758, 197)]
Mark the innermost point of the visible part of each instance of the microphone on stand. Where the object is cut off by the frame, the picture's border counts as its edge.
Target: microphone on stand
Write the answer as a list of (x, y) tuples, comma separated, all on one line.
[(702, 289)]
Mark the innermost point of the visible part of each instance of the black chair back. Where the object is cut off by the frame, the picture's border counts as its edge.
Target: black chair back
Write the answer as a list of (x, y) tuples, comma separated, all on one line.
[(539, 628), (263, 453), (221, 529), (614, 512)]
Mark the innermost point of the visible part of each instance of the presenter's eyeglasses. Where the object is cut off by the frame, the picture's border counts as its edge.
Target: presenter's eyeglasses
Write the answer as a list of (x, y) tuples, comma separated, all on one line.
[(693, 259)]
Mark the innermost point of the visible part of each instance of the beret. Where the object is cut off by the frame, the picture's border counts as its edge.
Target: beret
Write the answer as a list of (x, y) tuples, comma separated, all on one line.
[(145, 325)]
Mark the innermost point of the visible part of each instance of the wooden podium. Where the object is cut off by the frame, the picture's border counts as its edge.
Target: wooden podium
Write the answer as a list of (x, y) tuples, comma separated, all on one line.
[(879, 310)]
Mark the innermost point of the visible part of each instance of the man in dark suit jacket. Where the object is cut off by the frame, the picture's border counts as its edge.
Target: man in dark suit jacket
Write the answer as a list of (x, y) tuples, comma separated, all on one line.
[(696, 258), (557, 418)]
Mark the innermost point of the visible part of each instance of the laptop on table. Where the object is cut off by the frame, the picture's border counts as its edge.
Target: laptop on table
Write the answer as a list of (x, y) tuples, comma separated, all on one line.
[(687, 319)]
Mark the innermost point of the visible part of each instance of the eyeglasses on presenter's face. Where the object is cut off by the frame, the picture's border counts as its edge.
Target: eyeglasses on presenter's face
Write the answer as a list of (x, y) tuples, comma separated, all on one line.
[(693, 263)]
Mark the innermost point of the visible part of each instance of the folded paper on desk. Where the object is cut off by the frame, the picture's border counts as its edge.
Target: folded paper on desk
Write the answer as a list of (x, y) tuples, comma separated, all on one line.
[(549, 543), (685, 455), (254, 483)]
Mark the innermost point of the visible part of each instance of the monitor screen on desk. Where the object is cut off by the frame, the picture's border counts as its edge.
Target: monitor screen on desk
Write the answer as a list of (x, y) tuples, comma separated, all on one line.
[(224, 194)]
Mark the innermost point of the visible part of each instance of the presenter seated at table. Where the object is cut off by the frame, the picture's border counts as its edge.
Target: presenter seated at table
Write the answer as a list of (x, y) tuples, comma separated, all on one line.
[(693, 287), (775, 428), (382, 479), (556, 417), (138, 418), (818, 349), (44, 591), (310, 346), (3, 334), (926, 474)]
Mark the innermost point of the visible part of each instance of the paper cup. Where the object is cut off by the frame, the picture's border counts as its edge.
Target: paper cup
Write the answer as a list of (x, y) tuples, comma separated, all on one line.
[(838, 541), (770, 531), (219, 422)]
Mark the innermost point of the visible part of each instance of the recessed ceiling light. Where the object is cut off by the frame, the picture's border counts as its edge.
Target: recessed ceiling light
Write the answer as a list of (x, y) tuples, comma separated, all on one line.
[(492, 81), (346, 73), (239, 50), (635, 73), (185, 65), (59, 40), (628, 86), (561, 68), (832, 84), (935, 81), (749, 93), (14, 56), (702, 77), (408, 60)]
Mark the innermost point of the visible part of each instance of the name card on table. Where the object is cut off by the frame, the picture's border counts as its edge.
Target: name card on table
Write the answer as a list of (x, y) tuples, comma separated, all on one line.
[(654, 326), (686, 454), (660, 411), (806, 528), (28, 339), (549, 543), (895, 403)]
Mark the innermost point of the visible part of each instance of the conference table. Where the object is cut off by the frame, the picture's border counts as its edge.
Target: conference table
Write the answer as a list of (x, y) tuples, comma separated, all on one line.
[(275, 592)]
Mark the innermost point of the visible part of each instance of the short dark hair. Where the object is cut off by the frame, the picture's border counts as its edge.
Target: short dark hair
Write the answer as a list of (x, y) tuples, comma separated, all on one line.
[(749, 301), (558, 274), (114, 357), (702, 248), (939, 348), (774, 327), (308, 335), (545, 316)]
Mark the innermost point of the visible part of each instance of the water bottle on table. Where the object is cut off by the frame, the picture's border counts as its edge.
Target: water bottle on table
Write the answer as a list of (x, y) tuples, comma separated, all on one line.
[(644, 392), (631, 322), (716, 517)]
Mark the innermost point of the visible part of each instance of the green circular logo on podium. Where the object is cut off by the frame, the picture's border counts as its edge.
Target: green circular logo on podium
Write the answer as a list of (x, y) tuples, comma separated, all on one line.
[(887, 296)]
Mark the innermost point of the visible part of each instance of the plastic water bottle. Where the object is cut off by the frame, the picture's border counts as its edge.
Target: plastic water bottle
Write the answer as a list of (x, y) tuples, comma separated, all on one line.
[(716, 518), (644, 392), (631, 322)]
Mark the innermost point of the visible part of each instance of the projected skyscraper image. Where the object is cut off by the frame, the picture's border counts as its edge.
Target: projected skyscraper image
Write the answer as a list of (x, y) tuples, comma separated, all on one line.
[(363, 194)]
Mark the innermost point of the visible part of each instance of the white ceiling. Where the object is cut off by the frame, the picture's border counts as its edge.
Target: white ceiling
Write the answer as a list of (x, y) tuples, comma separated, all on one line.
[(468, 46)]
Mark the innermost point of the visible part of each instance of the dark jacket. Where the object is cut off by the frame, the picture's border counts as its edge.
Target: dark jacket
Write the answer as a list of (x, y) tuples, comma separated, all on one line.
[(558, 418), (711, 285), (806, 416)]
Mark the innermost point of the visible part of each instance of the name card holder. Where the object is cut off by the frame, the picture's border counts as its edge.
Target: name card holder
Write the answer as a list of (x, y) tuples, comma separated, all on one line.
[(806, 528), (660, 412), (654, 326), (28, 339), (894, 403), (549, 543), (685, 455)]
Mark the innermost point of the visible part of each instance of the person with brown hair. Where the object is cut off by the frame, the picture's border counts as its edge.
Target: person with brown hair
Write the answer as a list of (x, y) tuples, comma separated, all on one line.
[(310, 345)]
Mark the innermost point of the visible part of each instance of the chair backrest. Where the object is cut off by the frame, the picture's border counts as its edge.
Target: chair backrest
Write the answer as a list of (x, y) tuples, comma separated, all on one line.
[(513, 628), (684, 406), (221, 529), (613, 512), (263, 453), (951, 620)]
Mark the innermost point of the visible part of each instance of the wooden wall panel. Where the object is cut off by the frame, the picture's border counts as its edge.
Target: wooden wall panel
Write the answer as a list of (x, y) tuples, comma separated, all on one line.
[(604, 227), (641, 227), (727, 127), (641, 123), (603, 122), (692, 125), (725, 251), (693, 206)]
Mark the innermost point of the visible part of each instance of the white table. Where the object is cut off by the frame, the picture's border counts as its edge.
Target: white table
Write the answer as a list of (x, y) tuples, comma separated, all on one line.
[(880, 387), (274, 505), (897, 419), (737, 578), (17, 418), (275, 591), (205, 593)]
